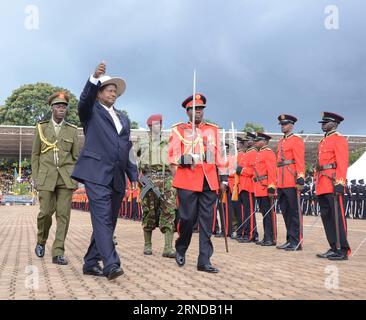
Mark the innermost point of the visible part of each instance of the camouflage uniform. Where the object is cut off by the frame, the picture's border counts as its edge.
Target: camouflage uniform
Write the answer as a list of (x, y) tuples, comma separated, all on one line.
[(167, 205), (153, 163)]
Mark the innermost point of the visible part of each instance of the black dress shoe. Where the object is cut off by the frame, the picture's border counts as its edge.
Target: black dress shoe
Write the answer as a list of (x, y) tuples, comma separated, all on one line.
[(268, 244), (207, 268), (338, 257), (293, 248), (40, 249), (59, 260), (219, 235), (259, 243), (325, 255), (284, 246), (180, 259), (244, 240), (114, 273), (94, 271)]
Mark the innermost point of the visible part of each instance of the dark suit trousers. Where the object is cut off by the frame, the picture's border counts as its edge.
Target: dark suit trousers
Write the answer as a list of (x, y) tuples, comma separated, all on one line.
[(104, 204), (193, 207), (327, 212)]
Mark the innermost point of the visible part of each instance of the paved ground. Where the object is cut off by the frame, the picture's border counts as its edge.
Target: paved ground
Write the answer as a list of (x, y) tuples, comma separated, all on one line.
[(247, 271)]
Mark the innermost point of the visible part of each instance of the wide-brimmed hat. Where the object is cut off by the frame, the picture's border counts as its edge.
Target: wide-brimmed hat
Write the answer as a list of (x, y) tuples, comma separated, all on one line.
[(118, 82)]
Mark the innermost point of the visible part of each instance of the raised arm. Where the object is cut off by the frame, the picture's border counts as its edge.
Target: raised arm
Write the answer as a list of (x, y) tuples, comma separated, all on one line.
[(89, 94)]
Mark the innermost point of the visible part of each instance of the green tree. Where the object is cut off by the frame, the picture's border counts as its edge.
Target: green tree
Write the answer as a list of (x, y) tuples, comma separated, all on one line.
[(210, 121), (253, 127), (134, 124), (22, 188), (28, 104), (355, 155)]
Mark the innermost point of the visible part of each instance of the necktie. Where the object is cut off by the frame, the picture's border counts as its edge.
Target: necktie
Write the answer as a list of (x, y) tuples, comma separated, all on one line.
[(57, 129)]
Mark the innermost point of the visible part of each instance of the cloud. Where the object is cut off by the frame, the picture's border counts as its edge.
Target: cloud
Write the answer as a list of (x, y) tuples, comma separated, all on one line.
[(254, 59)]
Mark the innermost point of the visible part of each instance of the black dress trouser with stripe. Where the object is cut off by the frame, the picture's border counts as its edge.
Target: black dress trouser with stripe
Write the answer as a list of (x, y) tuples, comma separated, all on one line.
[(287, 197), (326, 202), (196, 207)]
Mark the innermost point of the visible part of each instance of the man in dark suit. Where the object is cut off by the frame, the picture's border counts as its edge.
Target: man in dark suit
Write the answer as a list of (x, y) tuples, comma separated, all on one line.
[(102, 165)]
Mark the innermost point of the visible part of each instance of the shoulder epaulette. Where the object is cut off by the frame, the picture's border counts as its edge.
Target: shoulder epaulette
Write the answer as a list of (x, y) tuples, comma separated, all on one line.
[(298, 136), (176, 124), (71, 125), (212, 124), (266, 148), (44, 121)]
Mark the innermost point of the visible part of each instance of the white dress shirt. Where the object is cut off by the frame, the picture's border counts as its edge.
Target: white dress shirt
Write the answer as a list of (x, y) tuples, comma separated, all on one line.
[(110, 110)]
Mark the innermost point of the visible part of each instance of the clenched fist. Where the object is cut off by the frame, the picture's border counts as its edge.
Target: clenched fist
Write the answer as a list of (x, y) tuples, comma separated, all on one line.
[(100, 70)]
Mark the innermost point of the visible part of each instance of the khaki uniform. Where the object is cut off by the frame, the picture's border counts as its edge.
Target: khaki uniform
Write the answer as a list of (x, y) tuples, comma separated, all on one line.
[(54, 153)]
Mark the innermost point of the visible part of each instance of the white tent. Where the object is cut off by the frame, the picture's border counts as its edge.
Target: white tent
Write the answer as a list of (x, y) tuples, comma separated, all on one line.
[(358, 169)]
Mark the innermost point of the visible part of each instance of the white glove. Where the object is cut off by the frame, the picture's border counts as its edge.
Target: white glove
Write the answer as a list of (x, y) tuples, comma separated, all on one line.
[(196, 157)]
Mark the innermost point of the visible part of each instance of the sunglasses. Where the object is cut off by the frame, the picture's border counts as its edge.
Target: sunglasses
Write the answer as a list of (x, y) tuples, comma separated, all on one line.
[(60, 105)]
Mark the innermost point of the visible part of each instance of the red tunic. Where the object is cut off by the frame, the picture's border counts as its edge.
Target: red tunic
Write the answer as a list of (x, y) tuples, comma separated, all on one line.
[(246, 160), (290, 148), (231, 167), (265, 169), (332, 150), (207, 145)]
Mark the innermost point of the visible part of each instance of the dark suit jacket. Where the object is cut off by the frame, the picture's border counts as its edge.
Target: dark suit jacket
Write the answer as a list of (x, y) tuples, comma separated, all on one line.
[(106, 154)]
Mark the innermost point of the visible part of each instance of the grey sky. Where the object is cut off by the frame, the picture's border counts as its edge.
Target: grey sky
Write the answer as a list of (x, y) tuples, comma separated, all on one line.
[(255, 59)]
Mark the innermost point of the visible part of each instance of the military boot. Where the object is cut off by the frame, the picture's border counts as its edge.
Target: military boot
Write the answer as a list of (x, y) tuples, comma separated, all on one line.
[(168, 252), (148, 244)]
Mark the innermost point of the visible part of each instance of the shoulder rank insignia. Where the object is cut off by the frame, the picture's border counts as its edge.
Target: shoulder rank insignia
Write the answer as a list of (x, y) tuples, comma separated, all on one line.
[(212, 124), (176, 124), (298, 136), (71, 125)]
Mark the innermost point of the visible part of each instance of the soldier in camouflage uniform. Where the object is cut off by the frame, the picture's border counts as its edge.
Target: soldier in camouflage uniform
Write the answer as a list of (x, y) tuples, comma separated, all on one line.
[(153, 163)]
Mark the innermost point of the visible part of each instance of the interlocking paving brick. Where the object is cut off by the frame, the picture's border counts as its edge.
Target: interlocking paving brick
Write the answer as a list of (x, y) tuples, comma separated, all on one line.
[(246, 272)]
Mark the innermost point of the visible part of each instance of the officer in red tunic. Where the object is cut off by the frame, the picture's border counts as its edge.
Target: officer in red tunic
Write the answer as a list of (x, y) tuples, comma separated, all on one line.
[(290, 180), (246, 217), (229, 205), (197, 160), (265, 187), (330, 182)]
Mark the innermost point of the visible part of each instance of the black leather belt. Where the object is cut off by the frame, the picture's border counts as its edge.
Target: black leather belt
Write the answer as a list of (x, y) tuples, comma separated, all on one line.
[(327, 166), (285, 163), (260, 178)]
